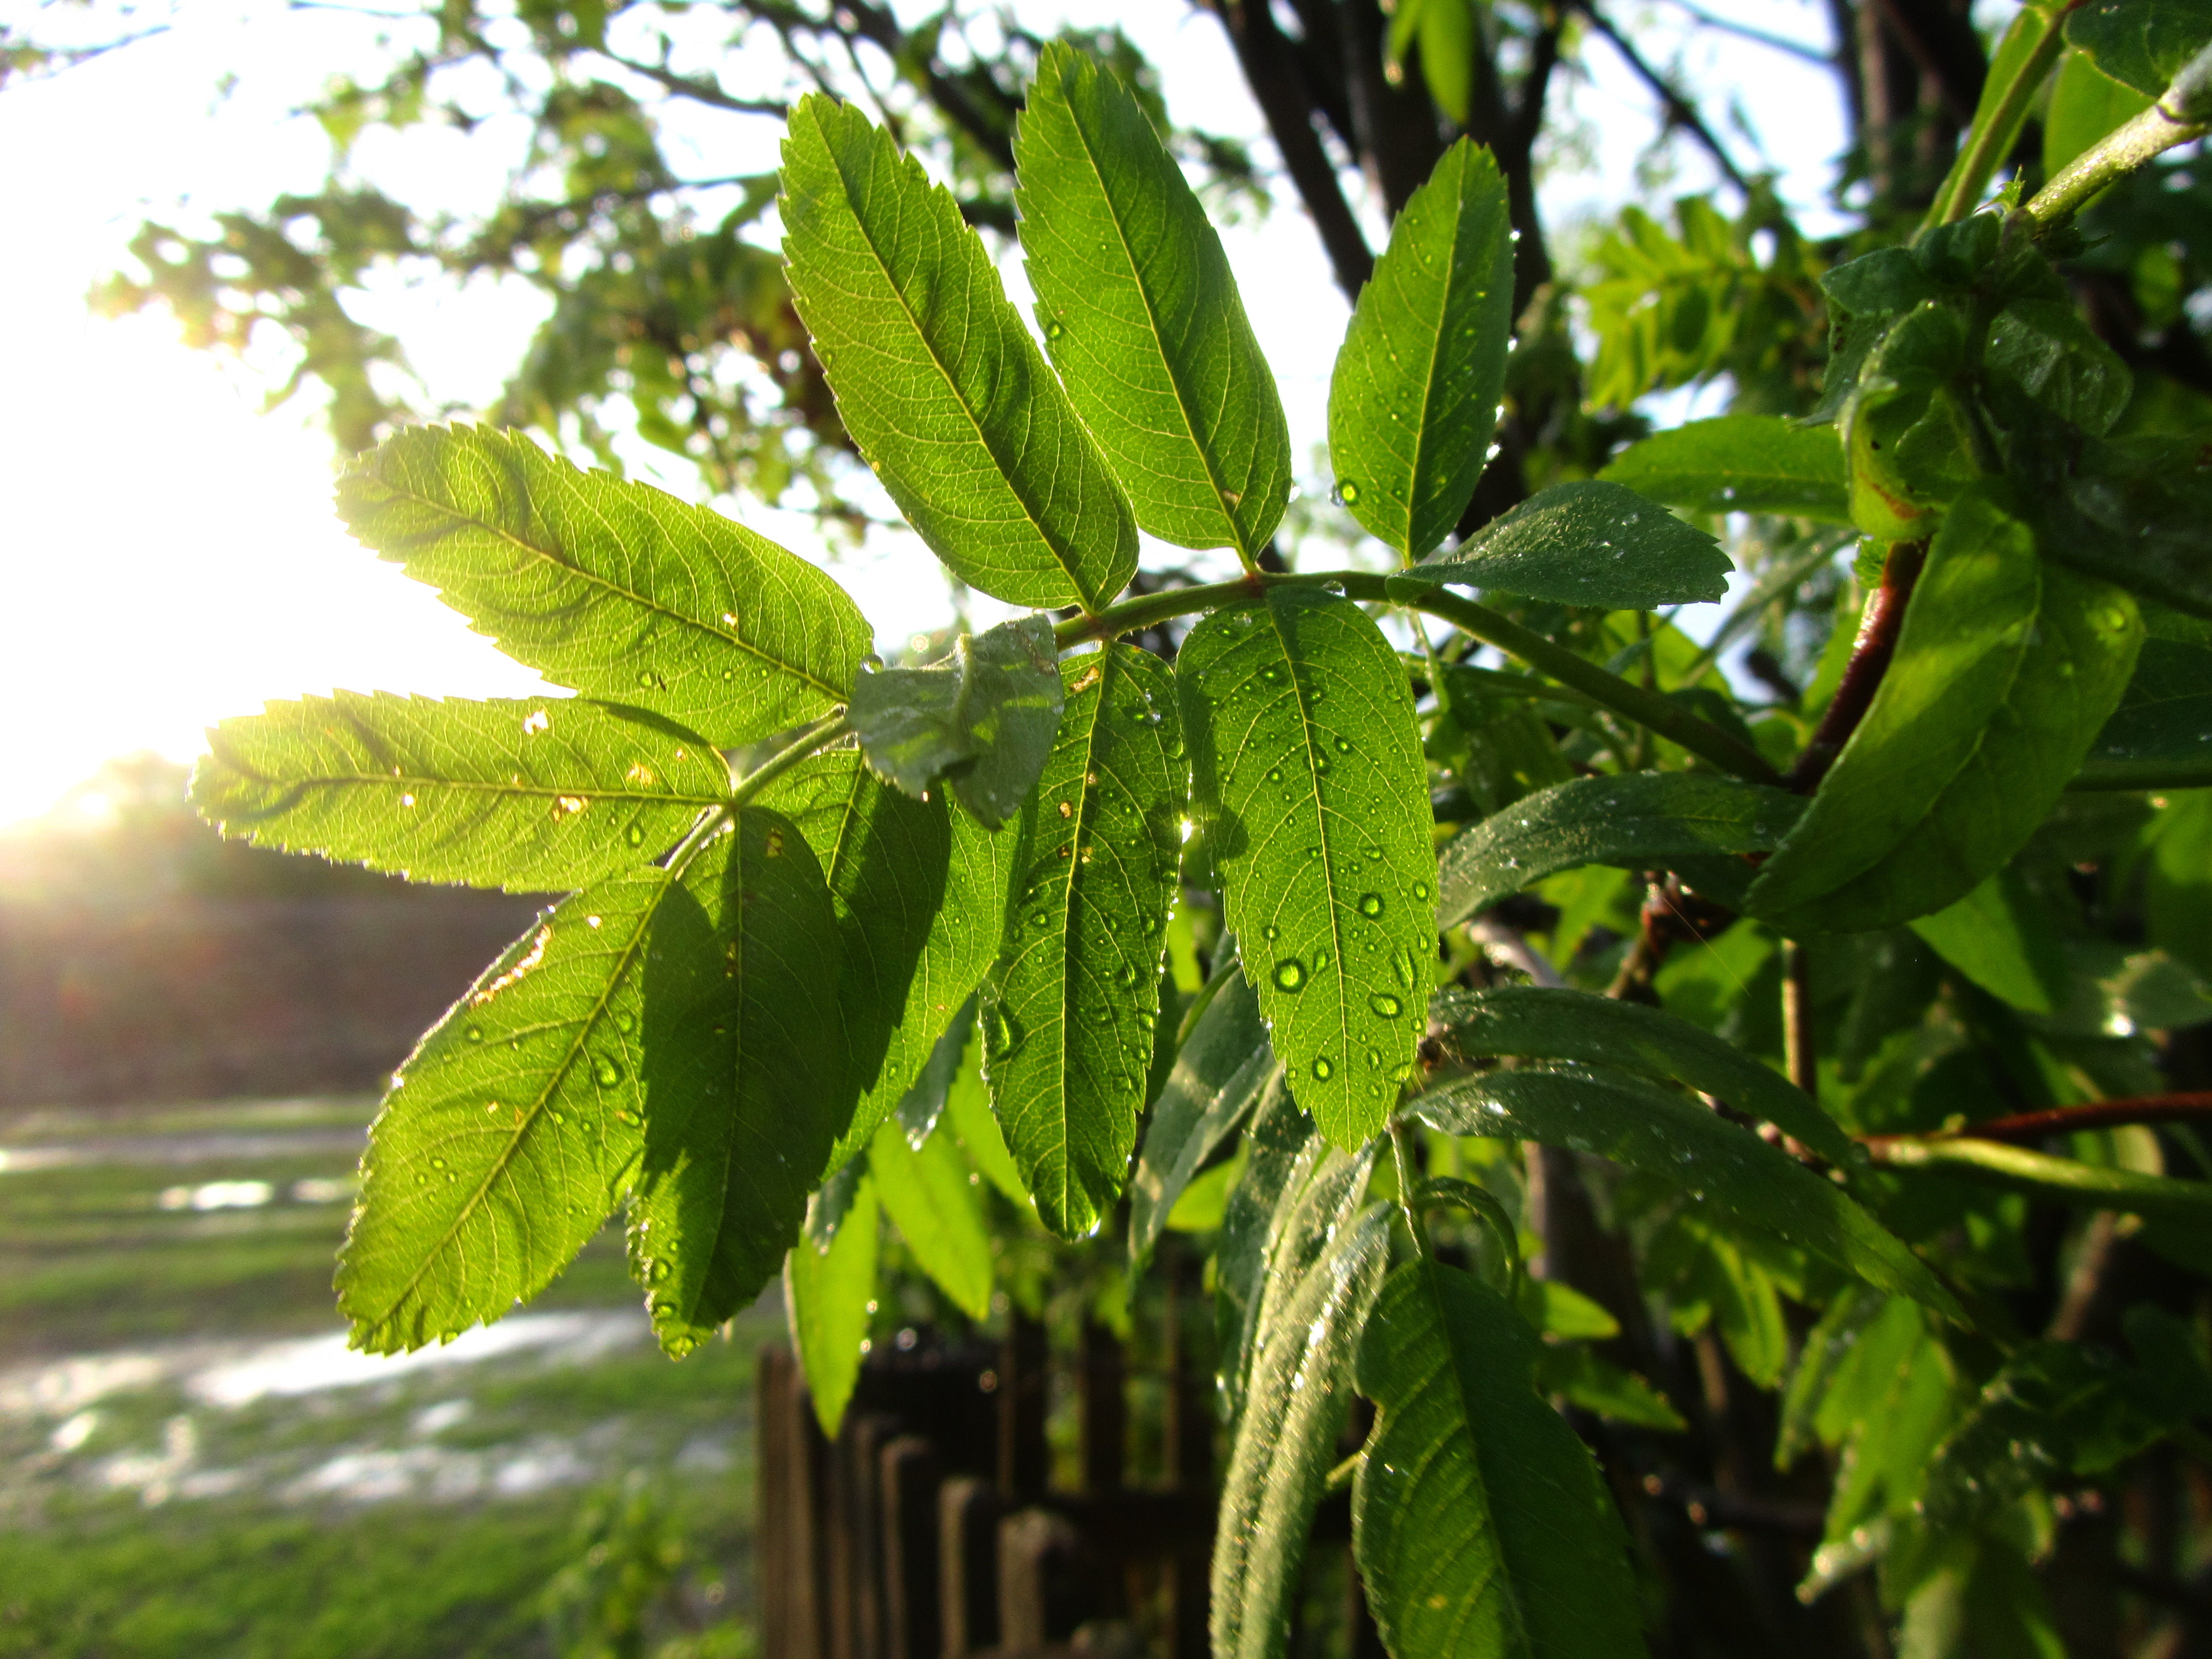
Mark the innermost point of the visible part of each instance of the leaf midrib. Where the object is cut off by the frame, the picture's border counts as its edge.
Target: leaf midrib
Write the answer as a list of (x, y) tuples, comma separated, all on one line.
[(1061, 556), (1086, 792), (1152, 320), (1429, 373), (479, 787), (461, 516)]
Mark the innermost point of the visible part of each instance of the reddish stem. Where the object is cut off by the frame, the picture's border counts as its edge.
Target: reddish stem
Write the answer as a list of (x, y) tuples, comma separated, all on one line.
[(1870, 654), (2067, 1120)]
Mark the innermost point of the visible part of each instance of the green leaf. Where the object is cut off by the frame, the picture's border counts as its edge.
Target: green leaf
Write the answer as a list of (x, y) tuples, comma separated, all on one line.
[(2140, 43), (919, 893), (2086, 104), (1585, 543), (1741, 463), (1572, 1372), (1905, 429), (1966, 628), (1219, 1073), (2161, 735), (967, 1113), (2136, 511), (2042, 349), (1636, 820), (985, 717), (1727, 1171), (1324, 1265), (741, 1084), (1141, 316), (1478, 1522), (921, 1106), (926, 1192), (512, 1129), (1415, 396), (1537, 1024), (1070, 1033), (1274, 1146), (2001, 937), (617, 589), (2055, 1179), (2075, 668), (828, 1296), (936, 379), (1448, 48), (536, 795), (1309, 791)]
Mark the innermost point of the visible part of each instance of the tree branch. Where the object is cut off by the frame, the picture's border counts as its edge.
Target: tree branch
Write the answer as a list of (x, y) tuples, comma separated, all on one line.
[(1680, 112), (1813, 55), (1862, 675), (2026, 1127), (699, 89)]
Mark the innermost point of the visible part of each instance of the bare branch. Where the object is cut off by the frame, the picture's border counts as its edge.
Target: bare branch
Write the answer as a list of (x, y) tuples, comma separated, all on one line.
[(1681, 112), (700, 89)]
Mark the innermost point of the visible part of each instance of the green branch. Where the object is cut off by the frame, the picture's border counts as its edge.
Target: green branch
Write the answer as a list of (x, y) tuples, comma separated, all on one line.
[(1670, 719), (2182, 114)]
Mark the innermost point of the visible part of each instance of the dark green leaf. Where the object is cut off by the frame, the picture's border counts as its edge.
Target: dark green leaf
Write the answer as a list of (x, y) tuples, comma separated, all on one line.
[(2056, 1180), (614, 589), (537, 795), (1741, 463), (514, 1127), (1141, 316), (1480, 1525), (1972, 613), (2136, 511), (1585, 543), (1309, 791), (1727, 1171), (1637, 820), (1279, 1132), (1324, 1265), (2161, 735), (920, 1106), (1219, 1073), (927, 1193), (1905, 429), (826, 1297), (1070, 1033), (984, 717), (1415, 396), (742, 1080), (1572, 1372), (2075, 667), (920, 892), (2140, 43), (2042, 349), (1538, 1023), (2086, 104), (937, 379), (2002, 937), (1887, 282)]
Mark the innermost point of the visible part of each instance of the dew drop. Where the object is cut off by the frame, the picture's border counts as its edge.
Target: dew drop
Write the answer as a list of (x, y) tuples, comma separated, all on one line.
[(1374, 1059), (1348, 493), (1274, 774), (1125, 975), (1420, 890), (1370, 905), (1270, 932), (606, 1071), (636, 834), (1343, 746), (1273, 674), (476, 1033), (1054, 329), (1323, 1067), (1290, 974), (1321, 960), (625, 1021), (1386, 1004)]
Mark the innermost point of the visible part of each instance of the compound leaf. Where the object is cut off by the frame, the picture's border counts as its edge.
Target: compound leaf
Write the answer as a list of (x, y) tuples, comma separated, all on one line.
[(1480, 1525), (2140, 45), (1069, 1035), (1723, 1168), (617, 589), (1219, 1073), (984, 716), (1309, 789), (1324, 1264), (927, 1194), (533, 795), (1141, 316), (1585, 543), (1541, 1023), (1741, 464), (1415, 396), (1637, 820), (936, 379), (2161, 735), (828, 1296), (1275, 1145)]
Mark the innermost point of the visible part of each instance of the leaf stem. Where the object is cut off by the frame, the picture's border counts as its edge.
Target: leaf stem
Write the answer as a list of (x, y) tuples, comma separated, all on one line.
[(811, 740), (1651, 708), (2182, 114), (1401, 1153), (2189, 1106), (1979, 159)]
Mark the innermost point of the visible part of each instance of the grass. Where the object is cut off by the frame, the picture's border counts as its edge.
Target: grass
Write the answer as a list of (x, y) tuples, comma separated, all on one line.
[(455, 1509)]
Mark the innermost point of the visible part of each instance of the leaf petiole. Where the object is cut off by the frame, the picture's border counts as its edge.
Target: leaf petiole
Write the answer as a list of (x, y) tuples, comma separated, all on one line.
[(811, 740)]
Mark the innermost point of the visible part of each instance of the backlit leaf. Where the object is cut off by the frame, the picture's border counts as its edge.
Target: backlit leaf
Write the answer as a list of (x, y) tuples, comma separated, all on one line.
[(2055, 1179), (1219, 1073), (617, 589), (827, 1297), (1636, 820), (742, 1077), (2161, 735), (1275, 1145), (936, 379), (2140, 43), (1585, 543), (1309, 789), (534, 795), (1727, 1171), (926, 1192), (1141, 316), (1480, 1525), (2086, 104), (1070, 1032), (1741, 463), (1415, 396)]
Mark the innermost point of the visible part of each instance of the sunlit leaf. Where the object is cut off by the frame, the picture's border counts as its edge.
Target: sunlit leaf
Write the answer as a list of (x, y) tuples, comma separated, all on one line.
[(927, 1193), (1587, 543), (1219, 1073), (1741, 463), (829, 1298)]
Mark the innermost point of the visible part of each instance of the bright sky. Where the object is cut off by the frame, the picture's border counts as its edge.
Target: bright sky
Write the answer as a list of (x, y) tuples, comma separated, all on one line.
[(168, 555)]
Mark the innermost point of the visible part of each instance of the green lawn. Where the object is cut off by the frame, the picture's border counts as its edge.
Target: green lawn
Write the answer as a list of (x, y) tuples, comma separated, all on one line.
[(158, 1497)]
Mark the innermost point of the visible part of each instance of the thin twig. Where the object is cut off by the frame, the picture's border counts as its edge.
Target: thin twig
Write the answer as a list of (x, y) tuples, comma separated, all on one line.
[(1681, 112), (1862, 676), (1780, 43)]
